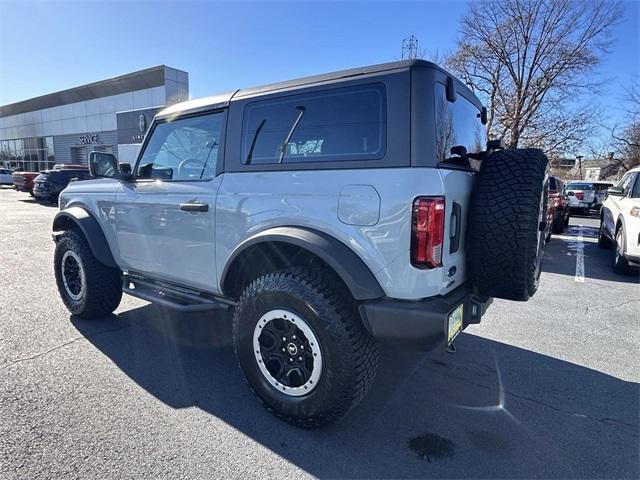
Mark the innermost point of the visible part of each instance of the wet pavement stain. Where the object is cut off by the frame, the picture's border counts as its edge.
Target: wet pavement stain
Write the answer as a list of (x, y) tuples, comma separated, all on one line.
[(488, 442), (432, 447)]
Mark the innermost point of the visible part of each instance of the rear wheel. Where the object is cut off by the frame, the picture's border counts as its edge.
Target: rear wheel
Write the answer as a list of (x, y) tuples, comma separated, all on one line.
[(87, 287), (620, 263), (302, 346), (507, 223)]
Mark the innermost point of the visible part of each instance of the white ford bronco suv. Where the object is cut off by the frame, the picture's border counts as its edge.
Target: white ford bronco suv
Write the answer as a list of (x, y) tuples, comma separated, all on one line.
[(327, 212)]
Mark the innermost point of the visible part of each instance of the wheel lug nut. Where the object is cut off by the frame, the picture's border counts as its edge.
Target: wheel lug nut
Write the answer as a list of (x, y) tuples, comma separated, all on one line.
[(290, 359), (294, 337), (283, 350), (299, 359), (301, 347), (284, 339)]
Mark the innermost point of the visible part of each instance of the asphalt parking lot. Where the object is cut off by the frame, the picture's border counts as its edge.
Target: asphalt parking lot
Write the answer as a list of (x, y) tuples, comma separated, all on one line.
[(544, 389)]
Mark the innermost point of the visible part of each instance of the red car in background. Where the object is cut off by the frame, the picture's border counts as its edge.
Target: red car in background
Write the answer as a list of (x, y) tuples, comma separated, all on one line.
[(558, 204), (23, 181)]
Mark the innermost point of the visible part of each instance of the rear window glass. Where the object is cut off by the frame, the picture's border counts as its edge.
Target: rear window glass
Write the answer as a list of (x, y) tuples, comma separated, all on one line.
[(334, 125), (457, 124), (579, 186)]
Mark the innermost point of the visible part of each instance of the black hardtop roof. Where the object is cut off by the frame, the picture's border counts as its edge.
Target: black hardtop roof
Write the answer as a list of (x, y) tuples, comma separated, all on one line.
[(223, 100), (352, 72)]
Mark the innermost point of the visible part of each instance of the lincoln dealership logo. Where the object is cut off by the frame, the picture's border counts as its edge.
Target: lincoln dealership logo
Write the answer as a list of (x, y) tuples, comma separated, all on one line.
[(142, 123)]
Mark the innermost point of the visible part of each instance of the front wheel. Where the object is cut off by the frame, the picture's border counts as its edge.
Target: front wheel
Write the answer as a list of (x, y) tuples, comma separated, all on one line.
[(87, 287), (603, 240), (302, 347), (620, 263)]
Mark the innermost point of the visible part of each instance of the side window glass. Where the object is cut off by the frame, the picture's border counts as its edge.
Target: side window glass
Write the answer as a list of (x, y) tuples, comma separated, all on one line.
[(336, 125), (636, 188), (458, 124), (183, 149), (625, 183)]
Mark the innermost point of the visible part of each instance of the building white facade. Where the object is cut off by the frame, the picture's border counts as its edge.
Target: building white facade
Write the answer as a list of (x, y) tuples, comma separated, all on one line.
[(63, 127)]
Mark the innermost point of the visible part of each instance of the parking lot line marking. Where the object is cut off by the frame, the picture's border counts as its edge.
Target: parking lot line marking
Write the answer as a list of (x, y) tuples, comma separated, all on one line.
[(579, 258)]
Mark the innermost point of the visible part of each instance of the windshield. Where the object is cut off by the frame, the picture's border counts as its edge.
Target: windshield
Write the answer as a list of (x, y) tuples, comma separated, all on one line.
[(579, 186)]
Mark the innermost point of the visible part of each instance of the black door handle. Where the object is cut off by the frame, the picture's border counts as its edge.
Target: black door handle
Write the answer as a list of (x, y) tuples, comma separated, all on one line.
[(194, 207)]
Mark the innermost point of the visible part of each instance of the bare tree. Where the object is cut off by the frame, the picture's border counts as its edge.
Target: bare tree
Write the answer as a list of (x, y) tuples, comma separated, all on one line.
[(530, 60)]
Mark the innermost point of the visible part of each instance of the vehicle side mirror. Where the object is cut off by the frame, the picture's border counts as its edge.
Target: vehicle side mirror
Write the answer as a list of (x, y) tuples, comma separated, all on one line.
[(615, 191), (103, 165), (124, 170), (483, 116)]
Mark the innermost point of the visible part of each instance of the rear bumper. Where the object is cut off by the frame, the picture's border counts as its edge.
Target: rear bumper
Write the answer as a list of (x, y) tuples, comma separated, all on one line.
[(424, 320), (48, 195), (23, 188)]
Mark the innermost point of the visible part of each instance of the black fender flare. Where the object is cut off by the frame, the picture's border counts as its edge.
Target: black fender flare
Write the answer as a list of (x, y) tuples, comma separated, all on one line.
[(358, 278), (79, 217)]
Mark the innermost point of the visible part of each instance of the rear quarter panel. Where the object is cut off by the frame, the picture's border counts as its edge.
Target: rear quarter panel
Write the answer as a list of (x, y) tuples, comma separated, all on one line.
[(252, 202)]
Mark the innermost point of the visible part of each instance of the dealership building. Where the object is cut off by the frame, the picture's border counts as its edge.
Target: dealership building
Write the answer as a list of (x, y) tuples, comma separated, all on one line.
[(109, 116)]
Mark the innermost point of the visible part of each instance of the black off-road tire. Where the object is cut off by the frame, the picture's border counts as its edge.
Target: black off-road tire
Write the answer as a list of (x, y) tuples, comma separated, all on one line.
[(102, 289), (604, 242), (349, 353), (506, 223), (620, 264)]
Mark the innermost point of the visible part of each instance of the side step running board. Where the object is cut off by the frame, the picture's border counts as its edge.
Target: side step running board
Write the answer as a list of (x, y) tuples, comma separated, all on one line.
[(168, 296)]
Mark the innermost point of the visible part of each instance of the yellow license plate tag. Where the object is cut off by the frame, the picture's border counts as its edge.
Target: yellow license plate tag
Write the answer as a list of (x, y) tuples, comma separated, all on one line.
[(455, 323)]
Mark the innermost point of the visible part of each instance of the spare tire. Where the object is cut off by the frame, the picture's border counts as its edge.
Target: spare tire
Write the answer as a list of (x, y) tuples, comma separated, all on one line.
[(507, 221)]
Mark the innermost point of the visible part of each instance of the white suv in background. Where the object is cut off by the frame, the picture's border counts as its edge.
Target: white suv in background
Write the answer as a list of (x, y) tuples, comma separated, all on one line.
[(620, 222), (581, 197)]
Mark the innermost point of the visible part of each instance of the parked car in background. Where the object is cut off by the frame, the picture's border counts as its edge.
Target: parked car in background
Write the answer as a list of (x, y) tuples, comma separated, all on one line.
[(620, 222), (601, 188), (23, 181), (581, 197), (49, 184), (69, 166), (558, 204), (6, 178)]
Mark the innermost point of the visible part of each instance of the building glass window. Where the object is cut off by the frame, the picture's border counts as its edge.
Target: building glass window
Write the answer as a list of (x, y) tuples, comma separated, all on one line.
[(29, 154)]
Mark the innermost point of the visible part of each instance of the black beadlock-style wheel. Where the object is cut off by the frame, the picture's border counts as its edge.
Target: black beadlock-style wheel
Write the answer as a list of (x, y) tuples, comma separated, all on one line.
[(507, 222), (87, 287), (302, 347)]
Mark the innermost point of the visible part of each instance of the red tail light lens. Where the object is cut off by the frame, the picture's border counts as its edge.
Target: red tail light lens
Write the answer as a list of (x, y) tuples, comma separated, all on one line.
[(580, 195), (427, 232)]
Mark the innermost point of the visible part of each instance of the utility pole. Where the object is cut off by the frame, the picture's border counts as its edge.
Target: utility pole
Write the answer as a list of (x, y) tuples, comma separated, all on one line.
[(579, 158), (410, 47)]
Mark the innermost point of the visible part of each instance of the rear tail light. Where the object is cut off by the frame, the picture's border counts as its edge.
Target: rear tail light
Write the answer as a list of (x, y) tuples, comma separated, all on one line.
[(580, 195), (427, 232)]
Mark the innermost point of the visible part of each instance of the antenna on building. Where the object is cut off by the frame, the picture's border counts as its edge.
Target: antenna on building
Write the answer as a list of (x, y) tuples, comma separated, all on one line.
[(410, 47)]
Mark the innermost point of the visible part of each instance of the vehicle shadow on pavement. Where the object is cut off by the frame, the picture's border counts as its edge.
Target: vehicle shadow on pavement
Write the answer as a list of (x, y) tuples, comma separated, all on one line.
[(36, 202), (490, 410), (560, 256)]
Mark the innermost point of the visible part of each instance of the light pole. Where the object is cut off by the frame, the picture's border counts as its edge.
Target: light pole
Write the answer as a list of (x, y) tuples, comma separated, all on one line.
[(579, 158)]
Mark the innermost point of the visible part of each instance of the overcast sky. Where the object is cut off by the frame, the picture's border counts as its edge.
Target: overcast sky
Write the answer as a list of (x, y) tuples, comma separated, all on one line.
[(51, 46)]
